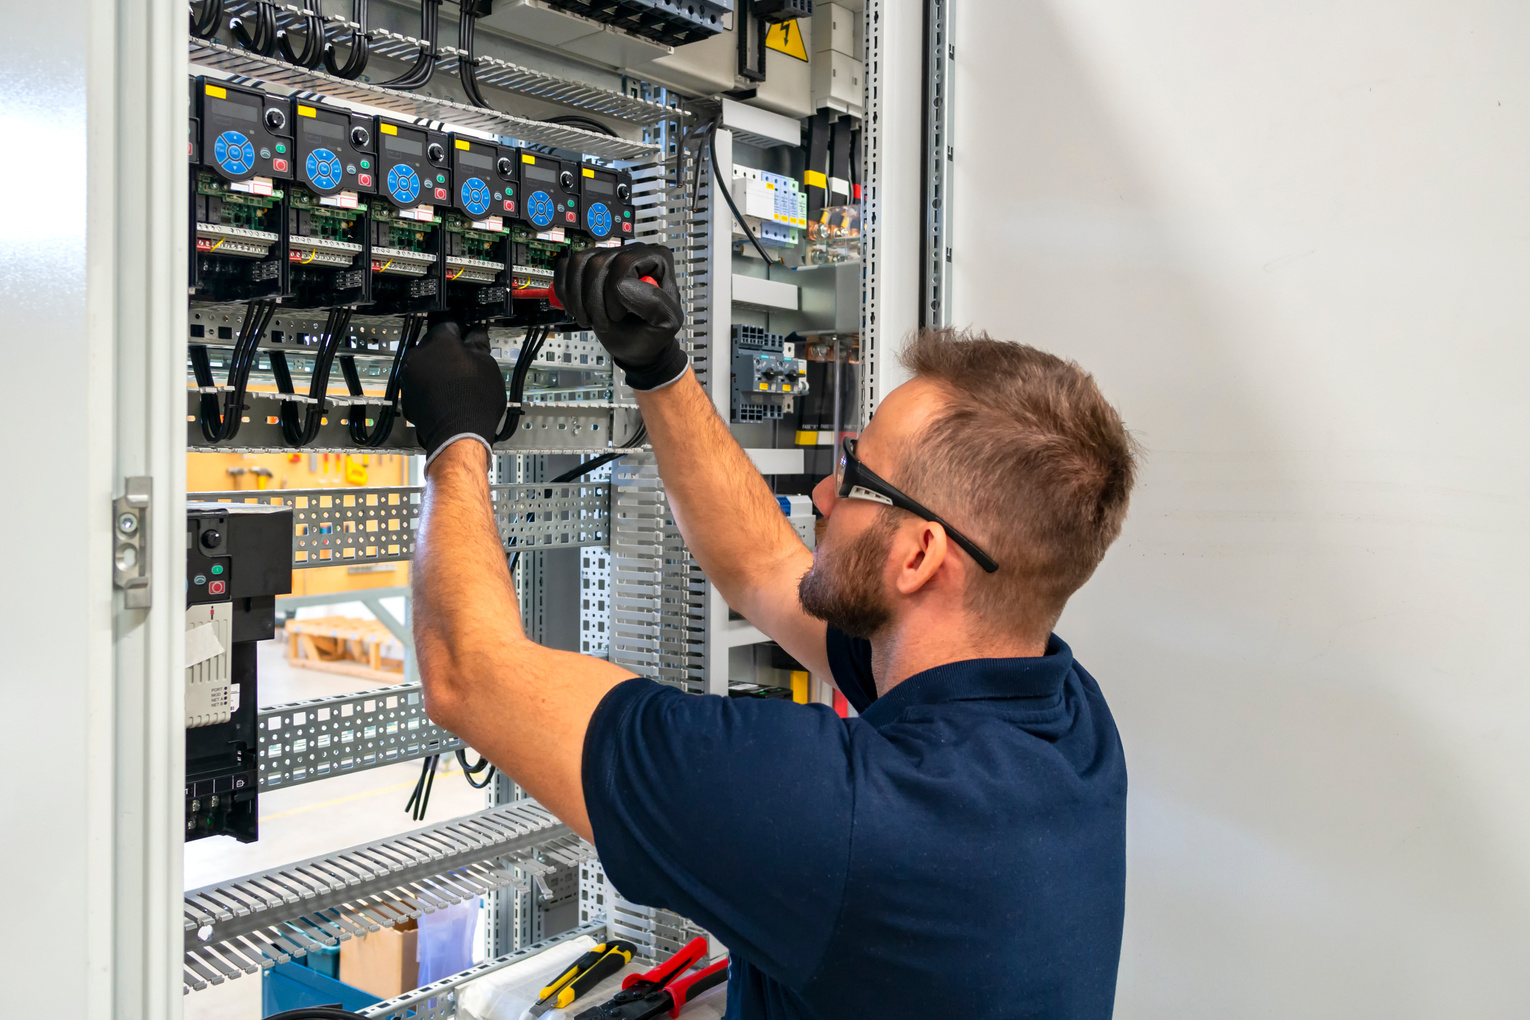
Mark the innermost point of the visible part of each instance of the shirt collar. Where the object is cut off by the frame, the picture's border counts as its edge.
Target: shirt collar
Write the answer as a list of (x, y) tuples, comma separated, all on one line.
[(978, 680)]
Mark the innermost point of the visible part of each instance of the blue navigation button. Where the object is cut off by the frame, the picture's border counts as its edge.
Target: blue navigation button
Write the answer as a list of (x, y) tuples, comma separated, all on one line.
[(403, 184)]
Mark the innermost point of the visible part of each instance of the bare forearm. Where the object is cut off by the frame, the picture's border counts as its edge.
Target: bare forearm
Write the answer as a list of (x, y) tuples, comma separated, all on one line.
[(730, 519)]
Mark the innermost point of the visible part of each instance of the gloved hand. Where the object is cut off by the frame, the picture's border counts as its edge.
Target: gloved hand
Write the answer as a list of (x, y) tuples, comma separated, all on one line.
[(453, 388), (603, 289)]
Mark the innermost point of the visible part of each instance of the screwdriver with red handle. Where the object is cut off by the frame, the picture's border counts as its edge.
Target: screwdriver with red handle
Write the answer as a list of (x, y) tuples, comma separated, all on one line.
[(546, 293)]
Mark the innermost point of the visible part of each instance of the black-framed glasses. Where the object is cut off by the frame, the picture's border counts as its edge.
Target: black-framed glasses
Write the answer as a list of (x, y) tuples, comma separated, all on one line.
[(857, 481)]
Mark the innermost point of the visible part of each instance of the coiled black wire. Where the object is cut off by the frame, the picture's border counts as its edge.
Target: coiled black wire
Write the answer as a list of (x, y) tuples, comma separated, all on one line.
[(382, 426), (300, 429), (312, 51), (261, 38), (424, 67), (361, 47), (469, 771), (220, 419), (206, 22)]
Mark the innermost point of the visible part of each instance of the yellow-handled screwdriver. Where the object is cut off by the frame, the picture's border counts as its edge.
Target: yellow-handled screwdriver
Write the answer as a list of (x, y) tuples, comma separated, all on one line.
[(583, 974)]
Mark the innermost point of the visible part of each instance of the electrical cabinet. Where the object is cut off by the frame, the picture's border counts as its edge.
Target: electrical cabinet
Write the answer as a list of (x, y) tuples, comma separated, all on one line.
[(328, 216)]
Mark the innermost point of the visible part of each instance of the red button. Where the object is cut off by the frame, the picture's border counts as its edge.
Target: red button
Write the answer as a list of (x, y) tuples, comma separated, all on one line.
[(279, 165), (365, 180), (509, 205), (217, 587), (441, 193), (627, 227), (570, 217)]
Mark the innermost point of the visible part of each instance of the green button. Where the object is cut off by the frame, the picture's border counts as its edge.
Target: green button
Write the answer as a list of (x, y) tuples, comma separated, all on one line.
[(366, 164), (440, 178), (571, 203), (217, 568), (280, 147), (627, 214)]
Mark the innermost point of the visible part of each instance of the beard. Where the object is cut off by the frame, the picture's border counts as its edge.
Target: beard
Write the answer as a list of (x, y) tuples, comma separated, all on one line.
[(844, 588)]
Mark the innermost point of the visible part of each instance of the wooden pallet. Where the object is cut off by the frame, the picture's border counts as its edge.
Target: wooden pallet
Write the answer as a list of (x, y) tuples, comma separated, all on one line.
[(340, 644)]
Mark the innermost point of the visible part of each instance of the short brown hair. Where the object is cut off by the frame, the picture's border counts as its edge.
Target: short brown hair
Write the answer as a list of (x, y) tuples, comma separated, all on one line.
[(1029, 460)]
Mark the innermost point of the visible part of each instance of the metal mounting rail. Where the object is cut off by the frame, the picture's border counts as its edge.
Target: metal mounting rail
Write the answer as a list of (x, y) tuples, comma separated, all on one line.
[(252, 923), (437, 113), (546, 427), (438, 1000), (348, 526), (305, 741)]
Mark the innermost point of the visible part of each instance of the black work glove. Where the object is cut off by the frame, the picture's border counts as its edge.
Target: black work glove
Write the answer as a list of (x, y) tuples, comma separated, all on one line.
[(603, 289), (453, 388)]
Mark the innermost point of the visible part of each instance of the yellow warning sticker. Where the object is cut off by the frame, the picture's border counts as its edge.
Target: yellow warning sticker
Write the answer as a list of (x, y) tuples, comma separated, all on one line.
[(527, 157), (463, 145), (217, 91), (307, 111), (588, 172), (387, 129), (786, 37)]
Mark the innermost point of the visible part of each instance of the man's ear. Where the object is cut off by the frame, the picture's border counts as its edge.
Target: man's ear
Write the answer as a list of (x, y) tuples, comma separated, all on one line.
[(920, 551)]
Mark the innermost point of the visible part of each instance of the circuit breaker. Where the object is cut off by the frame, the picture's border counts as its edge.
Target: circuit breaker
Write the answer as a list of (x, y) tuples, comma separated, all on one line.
[(767, 375), (238, 559)]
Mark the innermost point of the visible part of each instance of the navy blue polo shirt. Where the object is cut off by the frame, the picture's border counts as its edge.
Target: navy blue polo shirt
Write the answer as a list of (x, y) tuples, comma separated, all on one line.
[(958, 850)]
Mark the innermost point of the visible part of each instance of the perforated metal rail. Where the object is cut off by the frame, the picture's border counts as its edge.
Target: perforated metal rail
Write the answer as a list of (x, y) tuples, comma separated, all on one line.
[(304, 741), (249, 924), (352, 526)]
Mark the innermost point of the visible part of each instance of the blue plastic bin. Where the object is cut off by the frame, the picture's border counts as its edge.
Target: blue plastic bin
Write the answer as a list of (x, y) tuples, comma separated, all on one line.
[(290, 985)]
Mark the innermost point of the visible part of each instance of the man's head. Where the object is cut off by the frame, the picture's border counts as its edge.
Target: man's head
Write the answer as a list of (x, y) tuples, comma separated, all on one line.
[(1015, 448)]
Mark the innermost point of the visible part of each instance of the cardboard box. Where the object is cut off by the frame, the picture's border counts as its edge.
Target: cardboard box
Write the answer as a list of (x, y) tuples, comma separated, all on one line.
[(385, 963)]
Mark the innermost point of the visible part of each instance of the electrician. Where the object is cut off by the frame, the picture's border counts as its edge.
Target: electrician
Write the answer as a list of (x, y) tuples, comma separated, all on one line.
[(955, 850)]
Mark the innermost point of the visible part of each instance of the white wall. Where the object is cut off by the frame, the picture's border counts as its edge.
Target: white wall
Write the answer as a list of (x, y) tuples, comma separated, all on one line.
[(1292, 240)]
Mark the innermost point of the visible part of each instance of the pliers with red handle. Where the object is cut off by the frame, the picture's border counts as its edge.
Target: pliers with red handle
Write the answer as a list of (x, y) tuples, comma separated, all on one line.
[(661, 990)]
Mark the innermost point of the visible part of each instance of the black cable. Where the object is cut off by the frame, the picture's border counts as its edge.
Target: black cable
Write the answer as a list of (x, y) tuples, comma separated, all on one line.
[(220, 419), (313, 43), (382, 427), (206, 24), (300, 429), (467, 60), (262, 38), (722, 185), (424, 67), (531, 346), (580, 470), (419, 800), (469, 771), (361, 47), (574, 120), (316, 1013)]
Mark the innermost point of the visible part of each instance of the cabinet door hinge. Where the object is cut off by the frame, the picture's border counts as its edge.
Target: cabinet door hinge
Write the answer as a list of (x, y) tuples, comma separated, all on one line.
[(130, 541)]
